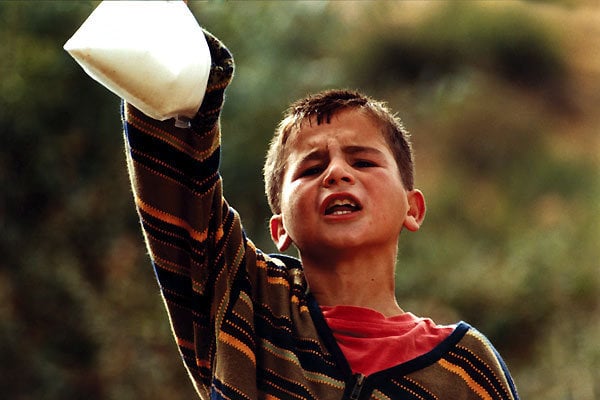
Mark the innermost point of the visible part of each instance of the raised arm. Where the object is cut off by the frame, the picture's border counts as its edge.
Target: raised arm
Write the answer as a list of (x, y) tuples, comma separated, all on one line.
[(193, 237)]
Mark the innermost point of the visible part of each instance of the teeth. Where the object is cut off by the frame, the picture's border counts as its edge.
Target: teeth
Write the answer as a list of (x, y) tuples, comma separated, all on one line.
[(342, 202), (340, 212), (341, 207)]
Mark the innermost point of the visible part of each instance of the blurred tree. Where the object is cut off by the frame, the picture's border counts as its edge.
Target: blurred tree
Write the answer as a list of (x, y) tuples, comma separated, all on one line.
[(65, 207)]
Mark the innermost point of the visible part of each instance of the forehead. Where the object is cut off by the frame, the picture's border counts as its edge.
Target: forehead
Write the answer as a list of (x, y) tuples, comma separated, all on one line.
[(347, 127)]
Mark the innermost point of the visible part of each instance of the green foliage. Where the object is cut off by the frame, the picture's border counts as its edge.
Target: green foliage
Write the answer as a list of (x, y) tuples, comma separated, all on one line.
[(506, 155), (67, 225), (461, 36)]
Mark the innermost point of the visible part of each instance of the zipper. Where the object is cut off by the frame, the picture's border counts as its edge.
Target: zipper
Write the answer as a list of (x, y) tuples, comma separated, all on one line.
[(357, 388)]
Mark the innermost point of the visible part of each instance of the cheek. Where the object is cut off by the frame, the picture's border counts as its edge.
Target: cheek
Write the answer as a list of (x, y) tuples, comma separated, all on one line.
[(392, 201), (288, 202), (296, 204)]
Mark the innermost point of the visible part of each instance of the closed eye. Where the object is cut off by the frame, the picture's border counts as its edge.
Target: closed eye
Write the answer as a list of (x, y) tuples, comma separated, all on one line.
[(364, 164), (314, 170)]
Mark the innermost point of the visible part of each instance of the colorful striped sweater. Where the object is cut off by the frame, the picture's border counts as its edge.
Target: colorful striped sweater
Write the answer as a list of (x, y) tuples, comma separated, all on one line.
[(245, 323)]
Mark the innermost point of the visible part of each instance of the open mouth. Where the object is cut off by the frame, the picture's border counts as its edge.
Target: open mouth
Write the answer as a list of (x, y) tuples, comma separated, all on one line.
[(342, 206)]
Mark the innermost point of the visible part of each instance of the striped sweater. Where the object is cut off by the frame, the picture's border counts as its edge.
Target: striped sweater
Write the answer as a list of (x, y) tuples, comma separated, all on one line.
[(245, 324)]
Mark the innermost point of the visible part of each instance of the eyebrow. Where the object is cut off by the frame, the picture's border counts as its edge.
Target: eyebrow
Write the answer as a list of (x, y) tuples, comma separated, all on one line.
[(361, 149), (351, 150)]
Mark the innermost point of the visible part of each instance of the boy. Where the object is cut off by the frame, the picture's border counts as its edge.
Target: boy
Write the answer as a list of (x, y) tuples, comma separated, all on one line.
[(327, 326)]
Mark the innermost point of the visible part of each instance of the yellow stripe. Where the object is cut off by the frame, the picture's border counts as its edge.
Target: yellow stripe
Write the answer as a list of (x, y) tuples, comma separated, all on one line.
[(173, 220), (379, 396), (280, 353), (322, 378), (476, 387)]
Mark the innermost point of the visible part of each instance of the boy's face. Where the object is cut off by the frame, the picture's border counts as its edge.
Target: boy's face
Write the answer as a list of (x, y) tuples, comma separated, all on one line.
[(342, 189)]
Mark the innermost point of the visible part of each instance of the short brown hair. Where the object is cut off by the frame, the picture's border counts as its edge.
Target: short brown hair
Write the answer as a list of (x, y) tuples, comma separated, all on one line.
[(322, 106)]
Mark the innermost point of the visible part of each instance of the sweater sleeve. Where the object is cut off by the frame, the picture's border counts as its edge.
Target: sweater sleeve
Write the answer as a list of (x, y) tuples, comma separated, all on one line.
[(194, 238)]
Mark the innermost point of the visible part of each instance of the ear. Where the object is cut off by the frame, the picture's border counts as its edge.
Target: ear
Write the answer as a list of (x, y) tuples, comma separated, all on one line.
[(278, 233), (416, 210)]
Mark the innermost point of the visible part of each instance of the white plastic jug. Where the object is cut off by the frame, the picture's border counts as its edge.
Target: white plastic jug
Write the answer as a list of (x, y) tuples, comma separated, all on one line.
[(153, 54)]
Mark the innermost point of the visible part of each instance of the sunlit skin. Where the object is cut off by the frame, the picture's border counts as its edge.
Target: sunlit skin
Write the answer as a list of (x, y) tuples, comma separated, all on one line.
[(343, 206)]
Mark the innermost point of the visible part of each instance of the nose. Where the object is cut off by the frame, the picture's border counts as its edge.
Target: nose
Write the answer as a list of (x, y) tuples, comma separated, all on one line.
[(338, 172)]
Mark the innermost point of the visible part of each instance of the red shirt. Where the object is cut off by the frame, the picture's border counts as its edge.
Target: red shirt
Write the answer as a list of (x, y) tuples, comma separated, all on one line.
[(372, 342)]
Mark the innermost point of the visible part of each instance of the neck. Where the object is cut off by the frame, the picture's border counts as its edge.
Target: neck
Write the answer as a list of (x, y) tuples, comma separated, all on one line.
[(363, 281)]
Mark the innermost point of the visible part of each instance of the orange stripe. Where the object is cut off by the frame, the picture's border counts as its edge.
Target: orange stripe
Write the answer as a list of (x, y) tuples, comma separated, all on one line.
[(184, 343), (190, 346), (278, 281), (173, 220), (296, 300), (220, 233), (155, 130), (238, 345), (476, 387)]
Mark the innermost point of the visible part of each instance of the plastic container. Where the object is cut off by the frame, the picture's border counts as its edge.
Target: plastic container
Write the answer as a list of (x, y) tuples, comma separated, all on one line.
[(153, 54)]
